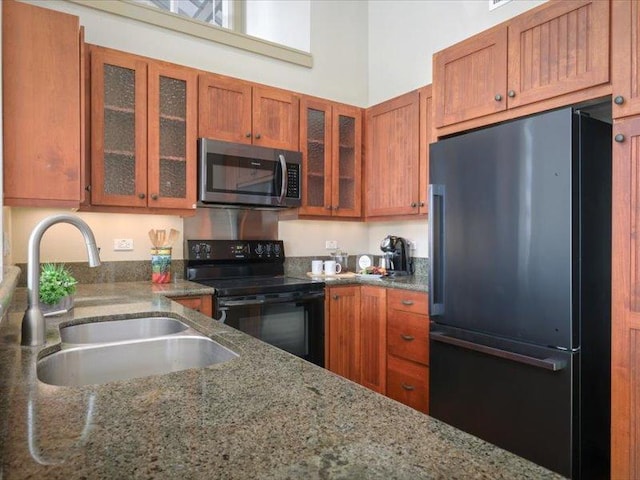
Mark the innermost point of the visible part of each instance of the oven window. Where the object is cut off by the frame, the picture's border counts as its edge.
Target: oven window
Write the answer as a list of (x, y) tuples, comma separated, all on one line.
[(240, 175), (296, 327)]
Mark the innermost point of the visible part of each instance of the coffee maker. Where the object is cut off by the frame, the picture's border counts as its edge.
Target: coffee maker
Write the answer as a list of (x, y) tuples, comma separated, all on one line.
[(397, 255)]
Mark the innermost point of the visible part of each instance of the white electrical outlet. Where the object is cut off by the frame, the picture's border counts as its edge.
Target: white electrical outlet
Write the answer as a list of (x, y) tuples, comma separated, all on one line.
[(331, 244), (122, 244)]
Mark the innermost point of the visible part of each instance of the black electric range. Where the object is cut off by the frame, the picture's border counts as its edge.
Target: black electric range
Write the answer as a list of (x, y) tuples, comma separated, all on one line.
[(254, 296)]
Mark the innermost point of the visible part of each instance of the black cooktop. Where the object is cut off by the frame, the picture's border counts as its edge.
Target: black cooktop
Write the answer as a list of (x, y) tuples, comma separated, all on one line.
[(243, 267), (261, 286)]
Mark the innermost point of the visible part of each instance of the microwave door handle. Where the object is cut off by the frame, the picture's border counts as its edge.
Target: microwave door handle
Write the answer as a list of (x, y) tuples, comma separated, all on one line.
[(283, 189)]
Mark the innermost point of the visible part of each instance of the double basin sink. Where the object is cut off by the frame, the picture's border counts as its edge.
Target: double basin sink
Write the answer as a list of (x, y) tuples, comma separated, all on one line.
[(106, 351)]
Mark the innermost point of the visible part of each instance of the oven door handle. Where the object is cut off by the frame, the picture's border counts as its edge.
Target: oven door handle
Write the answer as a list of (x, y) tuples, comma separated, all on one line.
[(225, 304)]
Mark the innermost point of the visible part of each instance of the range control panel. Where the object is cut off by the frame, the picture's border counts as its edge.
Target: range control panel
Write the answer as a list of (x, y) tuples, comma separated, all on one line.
[(235, 250)]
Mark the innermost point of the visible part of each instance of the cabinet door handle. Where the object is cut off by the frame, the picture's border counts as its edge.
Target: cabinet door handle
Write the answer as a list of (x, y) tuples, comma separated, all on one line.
[(498, 97), (336, 207), (327, 207), (88, 188), (408, 338), (154, 196), (619, 100), (619, 138), (422, 204), (511, 93), (407, 302), (141, 195), (258, 136), (414, 204), (408, 387), (336, 297), (248, 134)]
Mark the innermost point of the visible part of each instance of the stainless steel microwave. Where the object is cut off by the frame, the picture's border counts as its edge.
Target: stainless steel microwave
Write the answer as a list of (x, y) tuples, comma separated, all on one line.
[(238, 174)]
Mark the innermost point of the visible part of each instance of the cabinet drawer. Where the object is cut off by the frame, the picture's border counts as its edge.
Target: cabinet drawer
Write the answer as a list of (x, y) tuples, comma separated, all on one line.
[(408, 382), (408, 336), (408, 301)]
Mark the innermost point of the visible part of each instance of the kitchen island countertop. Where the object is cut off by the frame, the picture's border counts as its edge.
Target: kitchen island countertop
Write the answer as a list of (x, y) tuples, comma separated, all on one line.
[(265, 414)]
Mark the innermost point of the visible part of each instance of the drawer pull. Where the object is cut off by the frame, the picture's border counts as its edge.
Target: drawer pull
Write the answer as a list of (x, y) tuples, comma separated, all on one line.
[(408, 338), (408, 387), (407, 302)]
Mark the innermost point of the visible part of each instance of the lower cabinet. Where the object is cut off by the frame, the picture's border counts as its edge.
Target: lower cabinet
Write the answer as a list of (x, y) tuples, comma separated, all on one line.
[(379, 337), (202, 304)]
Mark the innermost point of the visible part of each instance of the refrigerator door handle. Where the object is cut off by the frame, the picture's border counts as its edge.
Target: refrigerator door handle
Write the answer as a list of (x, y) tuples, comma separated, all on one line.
[(436, 245), (550, 363)]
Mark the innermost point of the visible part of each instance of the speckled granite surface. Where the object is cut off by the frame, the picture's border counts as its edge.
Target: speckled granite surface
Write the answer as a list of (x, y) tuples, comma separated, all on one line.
[(265, 414)]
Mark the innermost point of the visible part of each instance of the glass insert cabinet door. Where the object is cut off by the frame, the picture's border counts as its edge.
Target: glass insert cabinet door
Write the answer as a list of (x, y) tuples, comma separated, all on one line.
[(331, 137), (143, 132)]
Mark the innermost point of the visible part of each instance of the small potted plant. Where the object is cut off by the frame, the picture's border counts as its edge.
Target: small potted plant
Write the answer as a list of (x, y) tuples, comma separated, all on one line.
[(57, 287)]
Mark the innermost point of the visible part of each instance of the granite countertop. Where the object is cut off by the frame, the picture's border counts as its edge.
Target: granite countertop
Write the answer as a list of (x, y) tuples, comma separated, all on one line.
[(265, 414)]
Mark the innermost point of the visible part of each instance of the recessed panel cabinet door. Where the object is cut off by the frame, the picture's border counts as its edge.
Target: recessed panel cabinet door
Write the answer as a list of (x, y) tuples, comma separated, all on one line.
[(625, 52), (276, 118), (41, 95), (373, 340), (561, 48), (392, 161), (470, 78), (625, 301), (343, 308), (118, 129), (172, 137), (224, 109)]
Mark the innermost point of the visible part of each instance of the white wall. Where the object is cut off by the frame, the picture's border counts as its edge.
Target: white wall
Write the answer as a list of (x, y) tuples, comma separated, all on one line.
[(404, 34)]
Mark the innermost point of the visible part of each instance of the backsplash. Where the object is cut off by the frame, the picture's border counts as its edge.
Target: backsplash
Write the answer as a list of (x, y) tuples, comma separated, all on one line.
[(139, 271)]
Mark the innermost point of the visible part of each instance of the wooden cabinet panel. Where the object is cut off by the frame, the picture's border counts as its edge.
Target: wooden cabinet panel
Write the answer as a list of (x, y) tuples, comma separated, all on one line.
[(625, 53), (625, 300), (331, 145), (202, 304), (41, 106), (408, 301), (143, 133), (373, 341), (426, 137), (392, 164), (276, 118), (408, 336), (172, 156), (343, 331), (224, 109), (558, 49), (408, 382), (470, 78), (347, 154), (235, 111), (118, 129)]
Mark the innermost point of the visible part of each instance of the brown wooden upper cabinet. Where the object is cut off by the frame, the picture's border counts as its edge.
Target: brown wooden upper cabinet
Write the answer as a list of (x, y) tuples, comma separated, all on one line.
[(143, 132), (236, 111), (625, 52), (557, 48), (393, 162), (331, 145), (41, 103)]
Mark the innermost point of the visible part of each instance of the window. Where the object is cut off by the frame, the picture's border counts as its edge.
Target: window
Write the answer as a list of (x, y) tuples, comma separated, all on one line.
[(275, 28)]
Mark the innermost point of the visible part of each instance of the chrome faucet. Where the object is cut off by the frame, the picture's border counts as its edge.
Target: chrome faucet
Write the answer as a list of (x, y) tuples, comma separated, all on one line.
[(33, 325)]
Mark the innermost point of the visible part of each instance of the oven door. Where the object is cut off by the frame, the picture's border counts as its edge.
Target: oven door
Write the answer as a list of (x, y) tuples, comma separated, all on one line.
[(292, 321)]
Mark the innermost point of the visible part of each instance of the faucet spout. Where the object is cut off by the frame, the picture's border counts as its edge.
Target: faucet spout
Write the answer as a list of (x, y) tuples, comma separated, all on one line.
[(33, 324)]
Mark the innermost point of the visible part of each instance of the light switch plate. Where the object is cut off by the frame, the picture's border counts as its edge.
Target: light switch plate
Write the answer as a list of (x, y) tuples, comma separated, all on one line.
[(122, 244)]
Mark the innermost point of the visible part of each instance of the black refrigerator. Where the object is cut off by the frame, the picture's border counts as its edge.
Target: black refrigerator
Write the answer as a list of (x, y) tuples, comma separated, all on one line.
[(520, 239)]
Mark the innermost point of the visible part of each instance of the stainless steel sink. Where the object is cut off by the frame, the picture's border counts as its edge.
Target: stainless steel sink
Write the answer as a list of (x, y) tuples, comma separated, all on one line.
[(97, 364), (121, 330)]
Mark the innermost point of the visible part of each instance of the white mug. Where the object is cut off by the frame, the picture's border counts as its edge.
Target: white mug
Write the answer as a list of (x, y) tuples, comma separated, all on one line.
[(331, 267), (316, 267)]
